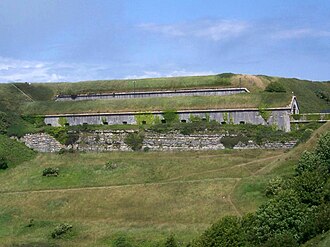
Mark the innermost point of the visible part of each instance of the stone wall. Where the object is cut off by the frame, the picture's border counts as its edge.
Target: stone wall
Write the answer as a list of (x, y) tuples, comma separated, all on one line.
[(105, 141), (268, 145), (42, 143), (154, 94)]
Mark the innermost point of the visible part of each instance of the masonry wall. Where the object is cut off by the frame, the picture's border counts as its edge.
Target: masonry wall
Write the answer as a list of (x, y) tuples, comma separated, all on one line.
[(108, 141), (150, 94), (279, 117)]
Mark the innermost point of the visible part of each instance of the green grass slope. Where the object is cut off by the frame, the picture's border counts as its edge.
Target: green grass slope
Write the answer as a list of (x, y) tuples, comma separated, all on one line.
[(14, 152), (147, 197), (312, 96)]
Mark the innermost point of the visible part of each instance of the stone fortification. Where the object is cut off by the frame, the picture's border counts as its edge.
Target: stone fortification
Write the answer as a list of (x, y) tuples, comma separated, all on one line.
[(153, 94), (107, 141), (42, 142)]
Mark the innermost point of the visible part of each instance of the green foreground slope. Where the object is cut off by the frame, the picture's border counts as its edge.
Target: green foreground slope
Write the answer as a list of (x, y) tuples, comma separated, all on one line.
[(147, 197)]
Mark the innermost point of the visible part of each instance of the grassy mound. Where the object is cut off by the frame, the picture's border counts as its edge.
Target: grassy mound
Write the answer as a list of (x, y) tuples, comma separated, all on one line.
[(14, 152)]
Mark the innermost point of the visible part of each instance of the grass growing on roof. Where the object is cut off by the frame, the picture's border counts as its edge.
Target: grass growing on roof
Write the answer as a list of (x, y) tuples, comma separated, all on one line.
[(150, 104)]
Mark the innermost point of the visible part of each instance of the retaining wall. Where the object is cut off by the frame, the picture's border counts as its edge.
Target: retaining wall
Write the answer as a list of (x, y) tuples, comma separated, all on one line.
[(105, 141)]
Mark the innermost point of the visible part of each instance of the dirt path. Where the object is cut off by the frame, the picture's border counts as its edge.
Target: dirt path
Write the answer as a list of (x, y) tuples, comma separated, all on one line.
[(229, 200), (115, 186), (23, 92), (225, 168)]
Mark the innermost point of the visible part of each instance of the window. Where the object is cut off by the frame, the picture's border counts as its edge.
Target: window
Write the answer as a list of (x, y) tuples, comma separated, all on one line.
[(49, 125), (223, 122), (183, 121), (144, 122), (105, 123), (242, 122), (85, 123), (163, 121), (124, 122), (204, 119)]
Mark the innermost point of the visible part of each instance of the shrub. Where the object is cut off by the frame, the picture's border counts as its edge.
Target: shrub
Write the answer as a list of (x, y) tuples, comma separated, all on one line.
[(226, 232), (60, 230), (231, 141), (3, 164), (50, 172), (275, 87), (171, 116), (275, 185), (110, 166), (171, 242), (4, 124), (134, 140), (66, 151), (121, 241)]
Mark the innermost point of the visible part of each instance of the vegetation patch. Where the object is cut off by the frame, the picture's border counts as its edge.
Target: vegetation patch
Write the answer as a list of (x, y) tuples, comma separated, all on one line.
[(14, 152), (134, 140), (298, 208), (3, 164), (61, 230), (276, 87), (50, 172)]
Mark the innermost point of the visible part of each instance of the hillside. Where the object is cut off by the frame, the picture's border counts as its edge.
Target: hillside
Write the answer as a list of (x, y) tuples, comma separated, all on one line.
[(312, 96), (143, 200)]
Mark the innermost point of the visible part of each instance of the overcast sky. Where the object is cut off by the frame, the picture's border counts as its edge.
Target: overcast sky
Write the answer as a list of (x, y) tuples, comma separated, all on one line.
[(73, 40)]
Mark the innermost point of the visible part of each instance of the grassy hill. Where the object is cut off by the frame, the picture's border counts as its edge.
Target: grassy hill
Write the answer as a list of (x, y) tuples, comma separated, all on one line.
[(147, 197), (312, 96)]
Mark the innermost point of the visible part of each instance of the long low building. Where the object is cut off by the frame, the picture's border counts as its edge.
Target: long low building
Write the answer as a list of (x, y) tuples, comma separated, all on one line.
[(279, 117), (153, 94)]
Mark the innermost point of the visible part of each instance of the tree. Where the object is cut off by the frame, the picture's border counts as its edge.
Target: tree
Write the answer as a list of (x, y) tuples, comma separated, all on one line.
[(226, 233), (283, 214), (323, 149)]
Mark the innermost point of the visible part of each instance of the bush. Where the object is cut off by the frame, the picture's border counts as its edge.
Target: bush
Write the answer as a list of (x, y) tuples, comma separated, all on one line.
[(226, 232), (4, 124), (171, 242), (171, 116), (66, 151), (275, 185), (3, 164), (231, 141), (50, 172), (121, 241), (275, 87), (110, 166), (60, 230), (134, 140)]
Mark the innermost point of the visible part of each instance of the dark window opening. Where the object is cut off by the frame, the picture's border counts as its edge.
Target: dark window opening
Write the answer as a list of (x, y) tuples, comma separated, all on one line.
[(124, 122), (204, 119), (67, 124), (242, 122), (49, 125), (144, 122), (223, 122), (85, 123), (163, 121), (183, 121), (105, 123)]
